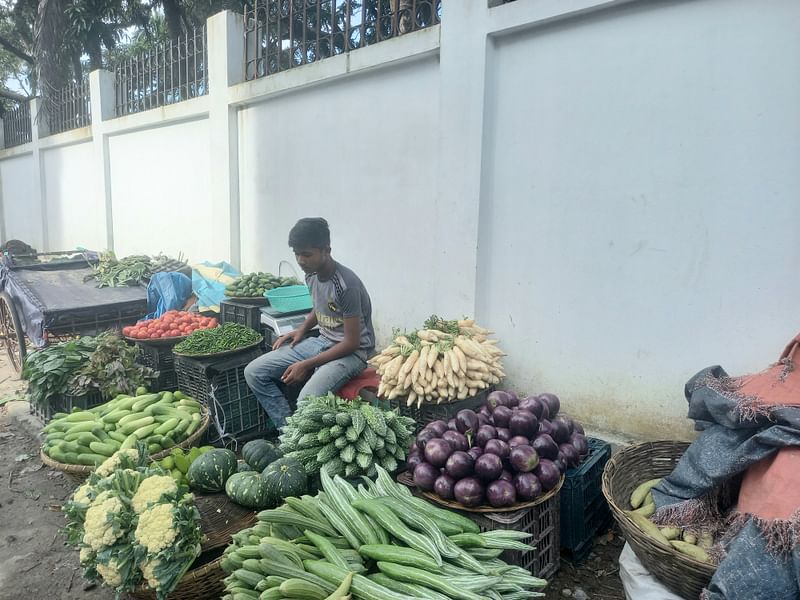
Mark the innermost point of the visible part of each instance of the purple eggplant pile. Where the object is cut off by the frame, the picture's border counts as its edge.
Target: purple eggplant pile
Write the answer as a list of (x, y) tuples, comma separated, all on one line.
[(509, 451)]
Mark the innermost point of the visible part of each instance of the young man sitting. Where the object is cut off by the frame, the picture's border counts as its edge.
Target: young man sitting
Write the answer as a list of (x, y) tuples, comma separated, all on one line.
[(343, 311)]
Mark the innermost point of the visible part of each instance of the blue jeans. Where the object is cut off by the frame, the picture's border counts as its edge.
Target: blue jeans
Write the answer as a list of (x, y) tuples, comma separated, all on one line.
[(264, 373)]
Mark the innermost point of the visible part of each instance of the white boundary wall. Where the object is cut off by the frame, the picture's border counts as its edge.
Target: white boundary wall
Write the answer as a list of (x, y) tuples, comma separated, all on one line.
[(610, 185)]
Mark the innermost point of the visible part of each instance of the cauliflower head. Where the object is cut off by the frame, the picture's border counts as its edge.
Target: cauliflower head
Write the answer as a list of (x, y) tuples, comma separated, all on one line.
[(98, 527), (110, 572), (87, 555), (148, 570), (151, 490), (156, 528), (81, 495), (125, 458)]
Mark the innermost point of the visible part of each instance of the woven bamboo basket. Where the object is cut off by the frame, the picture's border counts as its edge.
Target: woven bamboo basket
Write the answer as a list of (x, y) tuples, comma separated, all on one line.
[(623, 473), (220, 518), (202, 583), (407, 479), (78, 473)]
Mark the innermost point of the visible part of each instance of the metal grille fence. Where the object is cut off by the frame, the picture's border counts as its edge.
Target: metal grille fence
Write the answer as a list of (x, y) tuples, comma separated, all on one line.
[(169, 72), (68, 108), (282, 34), (17, 125)]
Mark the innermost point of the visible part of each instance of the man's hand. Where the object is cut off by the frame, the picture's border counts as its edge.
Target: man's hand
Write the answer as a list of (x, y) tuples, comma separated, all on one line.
[(296, 373), (294, 337)]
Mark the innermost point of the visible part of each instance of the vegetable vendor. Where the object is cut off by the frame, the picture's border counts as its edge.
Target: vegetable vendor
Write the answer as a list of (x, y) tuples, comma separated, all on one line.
[(343, 311)]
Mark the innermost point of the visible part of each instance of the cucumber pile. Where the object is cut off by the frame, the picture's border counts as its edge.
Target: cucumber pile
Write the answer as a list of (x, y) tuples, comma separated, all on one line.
[(89, 437), (255, 284), (349, 438), (378, 541)]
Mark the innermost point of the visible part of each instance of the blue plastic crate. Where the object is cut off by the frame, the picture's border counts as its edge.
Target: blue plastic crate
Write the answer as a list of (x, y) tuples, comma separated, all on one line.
[(585, 513)]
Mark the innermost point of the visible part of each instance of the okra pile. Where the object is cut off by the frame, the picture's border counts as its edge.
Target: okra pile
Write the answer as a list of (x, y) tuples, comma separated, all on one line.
[(376, 542), (229, 336), (349, 438), (89, 437)]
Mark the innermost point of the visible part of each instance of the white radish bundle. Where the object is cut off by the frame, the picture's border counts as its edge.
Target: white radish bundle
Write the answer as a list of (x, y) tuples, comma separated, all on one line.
[(443, 362)]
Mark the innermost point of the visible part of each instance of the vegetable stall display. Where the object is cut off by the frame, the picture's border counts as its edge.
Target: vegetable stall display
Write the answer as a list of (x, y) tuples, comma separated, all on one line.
[(111, 369), (178, 461), (378, 541), (510, 451), (131, 270), (443, 362), (104, 363), (254, 285), (89, 437), (350, 438), (49, 371), (262, 480), (134, 525), (172, 324), (226, 338)]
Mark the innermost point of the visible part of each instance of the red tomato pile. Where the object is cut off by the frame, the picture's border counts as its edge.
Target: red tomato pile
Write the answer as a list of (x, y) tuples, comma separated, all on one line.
[(173, 323)]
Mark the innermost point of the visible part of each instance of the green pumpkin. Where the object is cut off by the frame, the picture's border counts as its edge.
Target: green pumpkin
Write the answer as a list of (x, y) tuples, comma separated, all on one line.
[(260, 453), (210, 471), (242, 467), (248, 489), (285, 477)]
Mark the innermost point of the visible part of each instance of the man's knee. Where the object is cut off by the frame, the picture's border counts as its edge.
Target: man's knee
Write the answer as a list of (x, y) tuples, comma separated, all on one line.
[(260, 369)]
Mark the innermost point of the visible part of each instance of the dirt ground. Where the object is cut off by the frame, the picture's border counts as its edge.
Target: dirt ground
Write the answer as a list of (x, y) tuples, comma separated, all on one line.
[(597, 578), (35, 563)]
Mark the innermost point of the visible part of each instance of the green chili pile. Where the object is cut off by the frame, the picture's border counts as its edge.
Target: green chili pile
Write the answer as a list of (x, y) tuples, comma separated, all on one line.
[(227, 337)]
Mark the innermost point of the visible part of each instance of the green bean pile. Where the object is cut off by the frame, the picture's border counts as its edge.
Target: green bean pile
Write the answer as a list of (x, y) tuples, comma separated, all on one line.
[(229, 336)]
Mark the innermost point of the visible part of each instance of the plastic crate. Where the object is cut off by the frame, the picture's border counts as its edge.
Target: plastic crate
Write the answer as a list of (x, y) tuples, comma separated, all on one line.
[(585, 513), (167, 381), (231, 311), (542, 522), (67, 402), (159, 358), (428, 413), (220, 384), (43, 413)]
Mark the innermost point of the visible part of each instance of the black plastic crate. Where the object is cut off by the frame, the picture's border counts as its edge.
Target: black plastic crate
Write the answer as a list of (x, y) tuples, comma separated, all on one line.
[(67, 402), (428, 412), (542, 522), (585, 513), (220, 384), (231, 311), (167, 381), (43, 413), (157, 357)]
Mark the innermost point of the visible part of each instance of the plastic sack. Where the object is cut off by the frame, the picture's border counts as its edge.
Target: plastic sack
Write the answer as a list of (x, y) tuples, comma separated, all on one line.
[(637, 581), (167, 291), (209, 281)]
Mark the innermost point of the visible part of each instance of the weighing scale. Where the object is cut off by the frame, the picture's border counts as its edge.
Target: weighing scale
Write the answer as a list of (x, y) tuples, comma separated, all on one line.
[(280, 322)]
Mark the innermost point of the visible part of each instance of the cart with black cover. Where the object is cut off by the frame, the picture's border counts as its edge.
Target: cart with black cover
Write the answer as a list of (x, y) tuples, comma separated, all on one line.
[(44, 297)]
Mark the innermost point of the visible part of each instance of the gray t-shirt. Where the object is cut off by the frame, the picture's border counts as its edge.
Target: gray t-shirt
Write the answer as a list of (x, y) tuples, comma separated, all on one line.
[(341, 296)]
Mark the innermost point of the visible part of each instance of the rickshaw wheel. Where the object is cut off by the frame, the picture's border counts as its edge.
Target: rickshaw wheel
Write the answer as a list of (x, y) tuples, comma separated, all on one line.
[(11, 332)]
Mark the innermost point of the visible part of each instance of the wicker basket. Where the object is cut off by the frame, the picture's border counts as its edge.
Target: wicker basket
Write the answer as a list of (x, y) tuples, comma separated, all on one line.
[(406, 478), (202, 583), (80, 472), (220, 518), (623, 473)]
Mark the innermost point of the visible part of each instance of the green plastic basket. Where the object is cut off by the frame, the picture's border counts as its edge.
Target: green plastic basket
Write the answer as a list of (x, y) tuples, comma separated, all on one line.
[(290, 298)]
